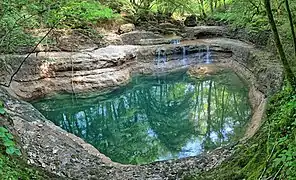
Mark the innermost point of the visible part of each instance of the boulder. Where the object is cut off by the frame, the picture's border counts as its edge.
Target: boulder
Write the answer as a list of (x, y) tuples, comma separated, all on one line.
[(167, 25), (126, 28), (205, 32), (136, 37), (191, 21), (154, 41), (112, 39)]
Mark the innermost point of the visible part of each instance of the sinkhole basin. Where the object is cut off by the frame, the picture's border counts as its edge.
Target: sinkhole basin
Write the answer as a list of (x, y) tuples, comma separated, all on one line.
[(156, 118)]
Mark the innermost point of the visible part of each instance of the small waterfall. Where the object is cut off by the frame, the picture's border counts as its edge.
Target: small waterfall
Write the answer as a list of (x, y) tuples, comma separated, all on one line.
[(199, 55), (161, 58), (175, 41), (184, 58), (208, 55), (164, 57), (158, 56)]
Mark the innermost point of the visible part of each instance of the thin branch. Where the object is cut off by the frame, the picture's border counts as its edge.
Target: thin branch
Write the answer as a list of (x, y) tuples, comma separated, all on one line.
[(277, 173), (267, 162), (291, 24), (23, 61)]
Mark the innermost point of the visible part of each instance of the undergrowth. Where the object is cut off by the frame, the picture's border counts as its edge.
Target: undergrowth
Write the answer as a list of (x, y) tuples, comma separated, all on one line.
[(13, 168)]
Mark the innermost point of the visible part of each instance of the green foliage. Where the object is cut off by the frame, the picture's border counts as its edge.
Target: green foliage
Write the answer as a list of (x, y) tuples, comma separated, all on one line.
[(77, 13), (251, 16), (14, 168), (19, 16), (244, 14), (6, 138), (2, 109), (13, 20), (283, 123)]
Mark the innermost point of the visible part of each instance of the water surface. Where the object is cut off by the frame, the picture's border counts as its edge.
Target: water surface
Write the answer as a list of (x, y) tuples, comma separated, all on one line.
[(156, 118)]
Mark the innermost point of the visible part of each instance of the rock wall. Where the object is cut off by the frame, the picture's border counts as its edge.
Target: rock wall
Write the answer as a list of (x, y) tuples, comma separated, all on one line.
[(101, 69), (44, 73)]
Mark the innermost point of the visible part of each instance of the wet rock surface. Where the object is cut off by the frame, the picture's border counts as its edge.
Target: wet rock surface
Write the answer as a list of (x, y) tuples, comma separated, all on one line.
[(66, 155)]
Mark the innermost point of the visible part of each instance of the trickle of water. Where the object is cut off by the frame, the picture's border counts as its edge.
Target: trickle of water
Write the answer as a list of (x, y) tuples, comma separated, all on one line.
[(208, 55), (175, 41), (161, 58), (158, 55), (184, 58), (199, 54)]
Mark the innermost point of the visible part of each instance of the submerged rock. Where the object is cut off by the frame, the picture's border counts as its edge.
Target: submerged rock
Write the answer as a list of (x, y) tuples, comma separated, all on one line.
[(200, 71)]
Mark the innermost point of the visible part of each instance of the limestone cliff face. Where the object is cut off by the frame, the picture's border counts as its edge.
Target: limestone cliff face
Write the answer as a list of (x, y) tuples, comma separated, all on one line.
[(101, 69), (44, 73)]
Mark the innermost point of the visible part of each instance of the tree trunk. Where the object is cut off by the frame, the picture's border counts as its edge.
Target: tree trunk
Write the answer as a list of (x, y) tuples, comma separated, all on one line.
[(291, 24), (288, 71)]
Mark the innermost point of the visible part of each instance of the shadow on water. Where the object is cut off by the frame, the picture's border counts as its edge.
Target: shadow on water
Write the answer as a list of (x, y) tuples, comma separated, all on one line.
[(156, 118)]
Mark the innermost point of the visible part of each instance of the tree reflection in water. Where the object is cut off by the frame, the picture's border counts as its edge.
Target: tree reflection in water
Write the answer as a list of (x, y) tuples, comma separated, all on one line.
[(156, 118)]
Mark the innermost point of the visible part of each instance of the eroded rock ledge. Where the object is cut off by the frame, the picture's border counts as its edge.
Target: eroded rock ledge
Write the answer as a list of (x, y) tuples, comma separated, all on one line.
[(64, 154)]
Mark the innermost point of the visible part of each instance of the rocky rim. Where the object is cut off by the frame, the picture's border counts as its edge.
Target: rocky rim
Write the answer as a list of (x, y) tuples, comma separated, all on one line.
[(53, 149)]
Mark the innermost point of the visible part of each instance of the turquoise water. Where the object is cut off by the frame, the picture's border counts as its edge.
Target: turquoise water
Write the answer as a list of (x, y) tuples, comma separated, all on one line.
[(156, 118)]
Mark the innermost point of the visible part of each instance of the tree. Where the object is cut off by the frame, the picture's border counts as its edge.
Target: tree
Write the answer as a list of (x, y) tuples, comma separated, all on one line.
[(291, 24), (288, 71)]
